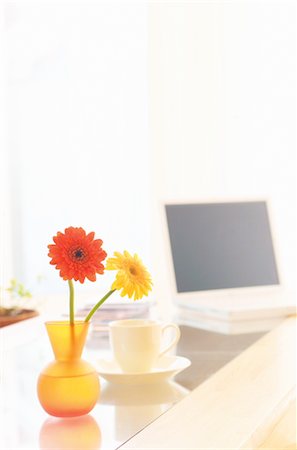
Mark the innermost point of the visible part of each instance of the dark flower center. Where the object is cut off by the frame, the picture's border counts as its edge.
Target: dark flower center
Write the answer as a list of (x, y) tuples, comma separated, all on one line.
[(78, 254)]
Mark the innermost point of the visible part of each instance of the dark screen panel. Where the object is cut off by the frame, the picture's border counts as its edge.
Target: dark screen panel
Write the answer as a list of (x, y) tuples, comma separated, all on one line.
[(221, 246)]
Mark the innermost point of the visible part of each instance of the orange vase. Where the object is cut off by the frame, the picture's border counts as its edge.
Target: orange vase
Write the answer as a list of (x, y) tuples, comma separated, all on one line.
[(68, 386)]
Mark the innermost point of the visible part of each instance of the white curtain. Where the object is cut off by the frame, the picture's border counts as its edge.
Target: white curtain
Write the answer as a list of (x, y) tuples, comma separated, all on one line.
[(77, 129), (5, 203)]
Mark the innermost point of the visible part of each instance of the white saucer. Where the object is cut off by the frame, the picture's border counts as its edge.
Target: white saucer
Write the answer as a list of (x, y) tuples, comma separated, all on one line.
[(166, 367)]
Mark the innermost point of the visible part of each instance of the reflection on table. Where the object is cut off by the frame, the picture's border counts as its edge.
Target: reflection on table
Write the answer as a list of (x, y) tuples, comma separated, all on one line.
[(72, 433), (137, 406), (133, 408)]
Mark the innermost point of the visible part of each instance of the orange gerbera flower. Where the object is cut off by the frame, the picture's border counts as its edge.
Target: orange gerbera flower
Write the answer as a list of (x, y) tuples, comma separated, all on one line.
[(77, 255)]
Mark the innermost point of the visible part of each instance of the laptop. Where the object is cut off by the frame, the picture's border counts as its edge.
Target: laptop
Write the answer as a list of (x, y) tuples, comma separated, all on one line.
[(223, 261)]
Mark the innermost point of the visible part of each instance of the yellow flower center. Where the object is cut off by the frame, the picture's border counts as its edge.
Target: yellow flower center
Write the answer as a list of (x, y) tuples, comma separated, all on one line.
[(133, 270)]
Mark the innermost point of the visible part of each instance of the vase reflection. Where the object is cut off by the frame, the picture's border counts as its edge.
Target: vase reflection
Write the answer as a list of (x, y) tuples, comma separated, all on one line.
[(137, 406), (70, 434)]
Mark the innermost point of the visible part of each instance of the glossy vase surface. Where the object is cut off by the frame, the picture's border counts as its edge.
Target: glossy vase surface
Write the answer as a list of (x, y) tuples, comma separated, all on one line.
[(68, 386)]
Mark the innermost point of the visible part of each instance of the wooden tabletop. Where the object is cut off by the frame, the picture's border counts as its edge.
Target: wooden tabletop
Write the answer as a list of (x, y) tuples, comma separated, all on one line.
[(238, 407)]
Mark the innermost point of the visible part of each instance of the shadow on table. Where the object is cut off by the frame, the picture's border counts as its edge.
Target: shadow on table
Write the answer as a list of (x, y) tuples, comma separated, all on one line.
[(209, 352)]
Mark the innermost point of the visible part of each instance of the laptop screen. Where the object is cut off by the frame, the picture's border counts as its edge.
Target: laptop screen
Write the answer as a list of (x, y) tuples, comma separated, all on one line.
[(221, 246)]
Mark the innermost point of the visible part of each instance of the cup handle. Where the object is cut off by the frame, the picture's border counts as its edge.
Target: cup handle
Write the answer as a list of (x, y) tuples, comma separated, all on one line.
[(175, 339)]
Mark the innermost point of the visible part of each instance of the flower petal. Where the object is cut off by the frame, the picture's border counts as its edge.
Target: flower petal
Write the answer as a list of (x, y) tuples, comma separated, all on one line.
[(77, 254)]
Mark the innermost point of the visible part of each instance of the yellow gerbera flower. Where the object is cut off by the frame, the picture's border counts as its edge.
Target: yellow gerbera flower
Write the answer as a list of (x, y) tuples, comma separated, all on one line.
[(132, 277)]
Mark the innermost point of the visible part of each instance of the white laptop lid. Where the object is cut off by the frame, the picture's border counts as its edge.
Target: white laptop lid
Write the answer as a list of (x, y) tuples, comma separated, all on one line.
[(221, 248)]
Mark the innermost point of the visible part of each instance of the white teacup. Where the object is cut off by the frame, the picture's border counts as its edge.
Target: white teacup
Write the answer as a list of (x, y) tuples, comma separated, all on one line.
[(136, 343)]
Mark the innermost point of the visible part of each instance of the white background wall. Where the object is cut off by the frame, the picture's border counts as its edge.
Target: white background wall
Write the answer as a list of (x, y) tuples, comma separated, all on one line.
[(78, 130), (5, 234), (116, 106), (222, 109)]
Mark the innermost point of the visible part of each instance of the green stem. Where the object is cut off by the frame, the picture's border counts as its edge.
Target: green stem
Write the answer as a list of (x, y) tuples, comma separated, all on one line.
[(94, 309), (71, 301)]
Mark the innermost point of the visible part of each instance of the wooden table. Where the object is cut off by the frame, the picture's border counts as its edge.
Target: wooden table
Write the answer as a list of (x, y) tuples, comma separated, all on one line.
[(246, 404), (244, 398)]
